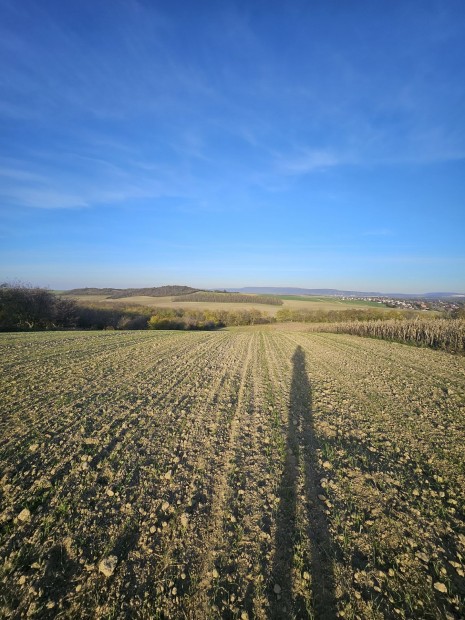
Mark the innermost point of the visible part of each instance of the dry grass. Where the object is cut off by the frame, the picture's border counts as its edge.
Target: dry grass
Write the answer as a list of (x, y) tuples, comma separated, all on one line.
[(249, 473)]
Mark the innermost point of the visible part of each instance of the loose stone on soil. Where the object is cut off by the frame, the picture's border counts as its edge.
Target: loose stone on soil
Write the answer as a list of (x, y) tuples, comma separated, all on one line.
[(24, 515), (108, 565)]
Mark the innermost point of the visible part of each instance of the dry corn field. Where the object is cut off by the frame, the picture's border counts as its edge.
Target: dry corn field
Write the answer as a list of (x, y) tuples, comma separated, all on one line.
[(445, 334), (250, 473)]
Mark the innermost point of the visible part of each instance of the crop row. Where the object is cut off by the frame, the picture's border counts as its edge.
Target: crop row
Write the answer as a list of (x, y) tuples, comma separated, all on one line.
[(255, 473)]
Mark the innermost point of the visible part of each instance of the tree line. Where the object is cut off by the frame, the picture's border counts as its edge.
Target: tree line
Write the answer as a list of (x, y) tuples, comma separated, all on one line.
[(350, 314), (27, 308), (24, 308)]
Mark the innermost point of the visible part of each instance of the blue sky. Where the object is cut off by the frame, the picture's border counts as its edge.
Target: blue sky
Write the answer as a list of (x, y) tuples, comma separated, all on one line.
[(217, 143)]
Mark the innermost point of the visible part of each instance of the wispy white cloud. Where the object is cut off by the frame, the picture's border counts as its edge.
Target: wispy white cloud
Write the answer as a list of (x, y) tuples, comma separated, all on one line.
[(96, 182), (307, 161), (44, 198), (54, 180), (17, 174)]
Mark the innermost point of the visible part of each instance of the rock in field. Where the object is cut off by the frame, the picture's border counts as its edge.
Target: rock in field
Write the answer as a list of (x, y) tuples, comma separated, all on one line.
[(108, 565), (24, 515)]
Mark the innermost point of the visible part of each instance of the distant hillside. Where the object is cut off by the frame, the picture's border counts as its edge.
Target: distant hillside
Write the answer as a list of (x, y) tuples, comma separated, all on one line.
[(176, 291), (118, 293), (281, 290), (442, 295), (90, 291)]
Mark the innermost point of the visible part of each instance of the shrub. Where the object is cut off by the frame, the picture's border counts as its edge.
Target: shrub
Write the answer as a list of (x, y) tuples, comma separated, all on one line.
[(25, 308)]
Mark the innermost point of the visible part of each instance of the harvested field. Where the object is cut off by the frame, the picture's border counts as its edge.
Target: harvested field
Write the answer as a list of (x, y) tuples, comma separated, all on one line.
[(231, 298), (307, 303), (250, 473)]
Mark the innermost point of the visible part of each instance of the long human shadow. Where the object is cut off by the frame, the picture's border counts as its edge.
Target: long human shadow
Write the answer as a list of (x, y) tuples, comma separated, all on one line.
[(301, 447)]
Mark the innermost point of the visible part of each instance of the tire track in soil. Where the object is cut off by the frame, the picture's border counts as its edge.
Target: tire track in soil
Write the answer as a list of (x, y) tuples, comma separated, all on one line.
[(249, 541), (239, 587), (199, 599), (260, 463), (277, 371)]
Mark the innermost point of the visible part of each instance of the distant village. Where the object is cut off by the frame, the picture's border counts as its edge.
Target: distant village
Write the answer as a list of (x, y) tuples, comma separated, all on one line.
[(442, 305)]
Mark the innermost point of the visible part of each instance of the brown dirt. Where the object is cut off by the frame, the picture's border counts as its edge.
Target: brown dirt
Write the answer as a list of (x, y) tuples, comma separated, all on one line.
[(250, 473)]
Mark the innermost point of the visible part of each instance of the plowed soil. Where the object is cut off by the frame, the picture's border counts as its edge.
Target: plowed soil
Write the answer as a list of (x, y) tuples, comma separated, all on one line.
[(250, 473)]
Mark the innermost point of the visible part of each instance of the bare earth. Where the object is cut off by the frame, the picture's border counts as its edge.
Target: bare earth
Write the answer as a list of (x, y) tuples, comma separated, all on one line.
[(249, 473)]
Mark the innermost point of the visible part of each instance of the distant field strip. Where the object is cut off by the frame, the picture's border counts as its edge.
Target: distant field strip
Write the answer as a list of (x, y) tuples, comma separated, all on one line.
[(250, 473), (230, 298), (299, 303), (333, 300)]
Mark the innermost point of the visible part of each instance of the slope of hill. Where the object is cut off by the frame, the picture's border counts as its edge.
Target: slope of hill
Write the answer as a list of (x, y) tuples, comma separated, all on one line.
[(286, 290), (90, 291), (117, 293)]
